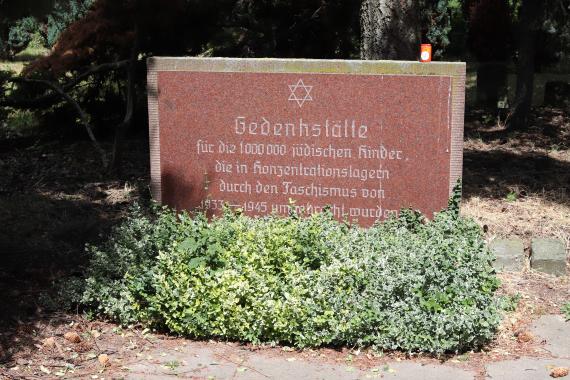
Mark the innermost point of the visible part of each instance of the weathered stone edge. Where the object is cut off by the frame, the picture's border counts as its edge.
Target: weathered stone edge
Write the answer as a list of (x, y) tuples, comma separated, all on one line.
[(322, 66), (154, 134), (457, 124), (455, 70)]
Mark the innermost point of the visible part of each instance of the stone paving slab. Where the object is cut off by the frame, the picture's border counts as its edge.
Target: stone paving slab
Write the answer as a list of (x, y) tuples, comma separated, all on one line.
[(556, 331), (524, 369), (548, 256), (416, 371), (203, 363), (189, 363), (509, 254)]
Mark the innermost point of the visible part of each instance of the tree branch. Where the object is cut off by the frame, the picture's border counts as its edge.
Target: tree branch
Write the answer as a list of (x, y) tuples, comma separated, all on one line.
[(48, 99), (82, 114)]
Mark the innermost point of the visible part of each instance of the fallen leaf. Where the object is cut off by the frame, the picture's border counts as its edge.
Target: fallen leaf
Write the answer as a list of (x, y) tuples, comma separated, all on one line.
[(463, 358), (44, 370), (104, 359), (49, 342), (72, 337), (559, 372), (524, 336)]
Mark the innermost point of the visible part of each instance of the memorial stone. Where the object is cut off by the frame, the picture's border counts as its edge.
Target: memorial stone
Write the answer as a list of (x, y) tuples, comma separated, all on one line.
[(365, 138)]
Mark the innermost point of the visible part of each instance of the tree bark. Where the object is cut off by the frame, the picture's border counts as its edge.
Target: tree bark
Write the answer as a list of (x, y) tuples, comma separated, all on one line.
[(529, 23), (390, 29)]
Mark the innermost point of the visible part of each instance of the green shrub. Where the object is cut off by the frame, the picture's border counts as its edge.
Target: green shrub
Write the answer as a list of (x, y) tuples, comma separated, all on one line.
[(407, 283), (21, 33)]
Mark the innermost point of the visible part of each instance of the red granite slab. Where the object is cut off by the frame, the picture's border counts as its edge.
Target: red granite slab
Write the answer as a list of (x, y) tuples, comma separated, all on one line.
[(367, 145)]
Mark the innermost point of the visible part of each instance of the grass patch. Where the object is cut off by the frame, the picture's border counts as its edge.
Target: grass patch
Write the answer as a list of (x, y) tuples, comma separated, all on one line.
[(14, 67), (566, 310), (35, 49), (19, 123)]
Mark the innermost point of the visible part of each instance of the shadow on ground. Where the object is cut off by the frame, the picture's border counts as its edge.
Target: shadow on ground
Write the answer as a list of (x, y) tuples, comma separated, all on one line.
[(495, 174), (54, 197), (534, 161)]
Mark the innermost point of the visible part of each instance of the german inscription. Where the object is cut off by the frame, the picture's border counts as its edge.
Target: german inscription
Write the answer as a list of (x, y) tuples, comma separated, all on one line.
[(257, 135)]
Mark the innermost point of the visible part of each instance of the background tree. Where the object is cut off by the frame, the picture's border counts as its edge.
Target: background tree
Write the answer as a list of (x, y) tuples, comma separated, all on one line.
[(393, 29), (530, 18), (489, 41), (390, 29), (20, 21), (100, 57), (536, 18)]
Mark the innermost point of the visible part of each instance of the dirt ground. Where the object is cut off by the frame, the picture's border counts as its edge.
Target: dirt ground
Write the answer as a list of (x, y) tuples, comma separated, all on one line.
[(54, 198)]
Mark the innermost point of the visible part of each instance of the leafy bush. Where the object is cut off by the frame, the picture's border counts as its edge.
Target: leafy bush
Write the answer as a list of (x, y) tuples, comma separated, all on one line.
[(21, 33), (407, 283)]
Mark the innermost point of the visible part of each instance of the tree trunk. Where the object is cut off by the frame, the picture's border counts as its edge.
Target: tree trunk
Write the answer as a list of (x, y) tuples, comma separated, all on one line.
[(123, 128), (390, 29), (529, 22)]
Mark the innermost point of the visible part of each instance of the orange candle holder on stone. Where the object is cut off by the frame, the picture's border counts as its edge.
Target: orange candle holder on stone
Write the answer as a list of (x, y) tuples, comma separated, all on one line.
[(425, 53)]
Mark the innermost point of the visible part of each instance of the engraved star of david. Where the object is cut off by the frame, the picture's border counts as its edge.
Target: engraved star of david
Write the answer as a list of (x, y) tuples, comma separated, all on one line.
[(300, 93)]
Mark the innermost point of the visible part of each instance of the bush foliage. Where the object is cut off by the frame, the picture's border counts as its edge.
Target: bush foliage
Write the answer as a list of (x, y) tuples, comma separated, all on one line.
[(407, 283)]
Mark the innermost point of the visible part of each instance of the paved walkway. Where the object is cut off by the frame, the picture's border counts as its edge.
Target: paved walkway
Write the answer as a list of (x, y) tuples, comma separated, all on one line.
[(525, 369), (210, 361), (207, 364)]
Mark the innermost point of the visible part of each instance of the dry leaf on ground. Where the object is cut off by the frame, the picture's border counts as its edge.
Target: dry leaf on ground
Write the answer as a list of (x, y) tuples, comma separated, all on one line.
[(104, 359), (559, 372), (49, 342), (524, 336), (72, 337)]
